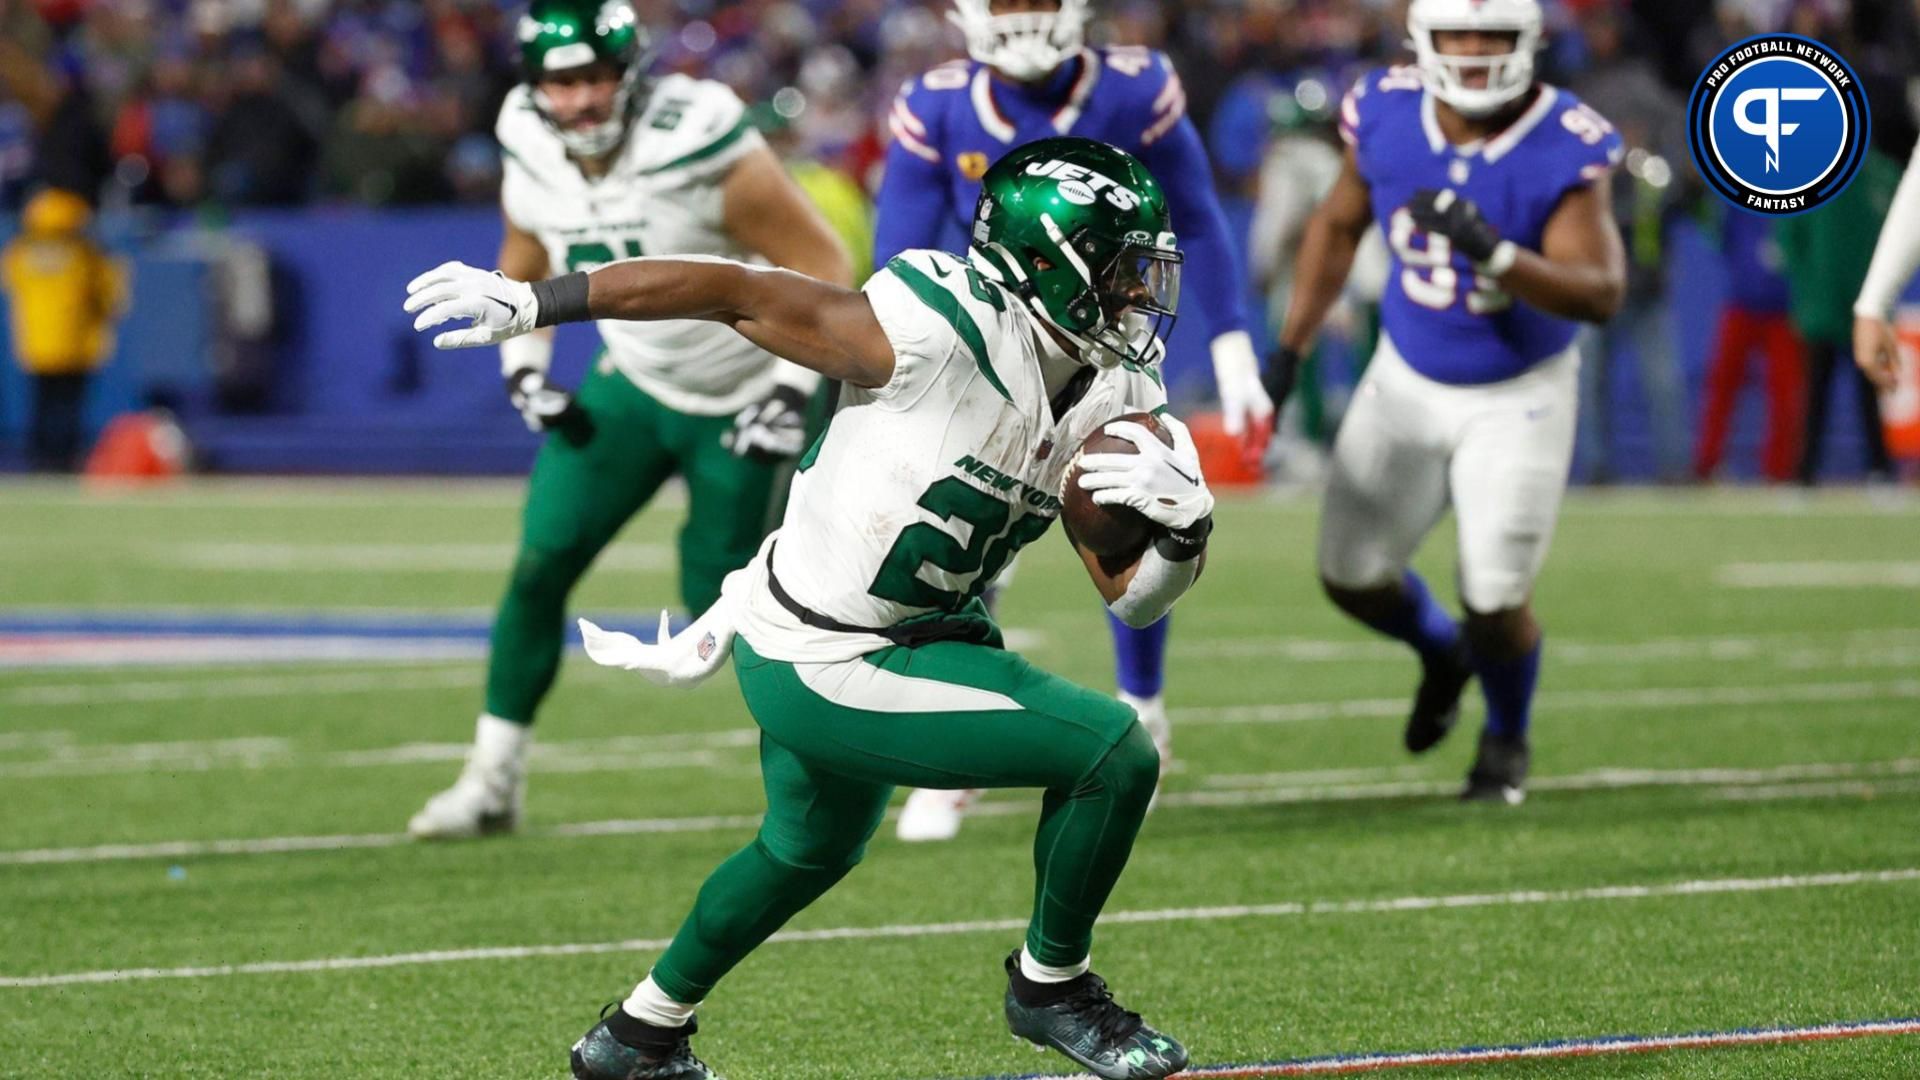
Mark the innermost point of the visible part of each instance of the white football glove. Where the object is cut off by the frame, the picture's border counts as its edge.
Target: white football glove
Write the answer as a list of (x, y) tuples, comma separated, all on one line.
[(542, 406), (771, 429), (1162, 482), (497, 306), (1245, 409), (680, 660)]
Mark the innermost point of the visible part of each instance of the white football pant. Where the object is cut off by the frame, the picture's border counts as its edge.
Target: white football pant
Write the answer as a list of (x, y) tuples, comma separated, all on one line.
[(1499, 452)]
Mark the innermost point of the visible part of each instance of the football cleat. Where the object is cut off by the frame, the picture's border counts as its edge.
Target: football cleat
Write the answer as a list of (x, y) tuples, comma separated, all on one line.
[(933, 814), (1499, 771), (485, 800), (620, 1047), (1080, 1019), (1436, 704)]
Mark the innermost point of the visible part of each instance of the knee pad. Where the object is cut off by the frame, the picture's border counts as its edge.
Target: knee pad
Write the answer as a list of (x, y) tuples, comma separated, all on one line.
[(539, 569)]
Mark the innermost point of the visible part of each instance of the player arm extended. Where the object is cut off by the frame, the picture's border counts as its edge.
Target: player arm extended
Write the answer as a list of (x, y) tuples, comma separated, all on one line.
[(825, 327)]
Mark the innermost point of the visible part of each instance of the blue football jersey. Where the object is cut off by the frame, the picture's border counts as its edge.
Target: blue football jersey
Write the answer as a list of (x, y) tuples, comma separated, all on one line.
[(959, 116), (952, 123), (1452, 324)]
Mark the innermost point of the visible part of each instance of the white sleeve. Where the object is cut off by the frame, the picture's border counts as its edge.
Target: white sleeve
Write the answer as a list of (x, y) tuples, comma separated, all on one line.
[(1157, 583), (922, 340), (1897, 255)]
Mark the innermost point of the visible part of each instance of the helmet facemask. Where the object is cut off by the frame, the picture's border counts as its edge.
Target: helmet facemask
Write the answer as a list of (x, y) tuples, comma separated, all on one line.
[(1114, 301), (1508, 75), (607, 33), (1025, 45)]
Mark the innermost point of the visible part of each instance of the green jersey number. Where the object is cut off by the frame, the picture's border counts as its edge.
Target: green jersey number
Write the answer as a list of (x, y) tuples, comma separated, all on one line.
[(990, 543), (588, 256)]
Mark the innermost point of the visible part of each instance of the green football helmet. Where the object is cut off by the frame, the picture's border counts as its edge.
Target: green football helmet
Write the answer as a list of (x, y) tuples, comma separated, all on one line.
[(560, 35), (1080, 230)]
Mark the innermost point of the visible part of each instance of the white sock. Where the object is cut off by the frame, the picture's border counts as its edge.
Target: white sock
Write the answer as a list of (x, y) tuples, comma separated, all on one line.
[(501, 744), (1036, 971), (651, 1004)]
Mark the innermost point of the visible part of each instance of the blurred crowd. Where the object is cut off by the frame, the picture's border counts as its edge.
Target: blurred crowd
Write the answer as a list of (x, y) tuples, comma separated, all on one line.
[(286, 102), (211, 104)]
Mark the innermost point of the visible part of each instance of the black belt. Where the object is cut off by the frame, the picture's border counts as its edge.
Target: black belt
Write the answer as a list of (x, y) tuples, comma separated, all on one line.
[(920, 631)]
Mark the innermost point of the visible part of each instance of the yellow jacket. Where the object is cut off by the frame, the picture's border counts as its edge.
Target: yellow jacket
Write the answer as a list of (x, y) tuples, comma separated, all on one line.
[(64, 294)]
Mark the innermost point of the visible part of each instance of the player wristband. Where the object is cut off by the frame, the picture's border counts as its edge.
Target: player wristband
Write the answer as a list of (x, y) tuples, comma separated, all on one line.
[(562, 299), (1183, 545), (1501, 259)]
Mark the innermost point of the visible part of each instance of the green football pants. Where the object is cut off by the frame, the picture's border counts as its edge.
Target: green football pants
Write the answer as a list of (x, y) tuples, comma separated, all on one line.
[(837, 738), (579, 496)]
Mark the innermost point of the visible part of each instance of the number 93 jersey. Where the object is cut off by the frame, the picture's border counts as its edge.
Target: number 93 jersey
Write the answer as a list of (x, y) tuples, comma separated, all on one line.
[(662, 196), (1450, 323), (920, 491)]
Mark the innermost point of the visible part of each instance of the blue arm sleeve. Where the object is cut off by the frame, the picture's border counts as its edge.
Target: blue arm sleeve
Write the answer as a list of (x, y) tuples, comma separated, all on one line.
[(911, 208), (1213, 266)]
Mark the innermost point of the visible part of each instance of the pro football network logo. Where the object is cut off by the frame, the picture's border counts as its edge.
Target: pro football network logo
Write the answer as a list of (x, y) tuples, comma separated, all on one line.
[(1778, 124)]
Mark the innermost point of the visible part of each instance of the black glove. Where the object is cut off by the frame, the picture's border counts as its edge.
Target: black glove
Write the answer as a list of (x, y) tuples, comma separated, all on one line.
[(543, 407), (1282, 370), (1456, 218), (771, 429)]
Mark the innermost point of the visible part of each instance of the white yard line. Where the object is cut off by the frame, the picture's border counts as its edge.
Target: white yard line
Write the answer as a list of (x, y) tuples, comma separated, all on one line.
[(1819, 575), (1795, 650), (48, 695), (1284, 909), (1668, 697), (693, 749), (332, 558), (1862, 779)]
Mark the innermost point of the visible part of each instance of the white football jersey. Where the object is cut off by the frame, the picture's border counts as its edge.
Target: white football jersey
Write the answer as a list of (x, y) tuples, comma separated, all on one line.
[(921, 491), (661, 197)]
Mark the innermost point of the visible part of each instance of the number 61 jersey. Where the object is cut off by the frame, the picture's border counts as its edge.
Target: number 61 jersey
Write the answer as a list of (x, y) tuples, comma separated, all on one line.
[(661, 196), (920, 491), (1451, 324)]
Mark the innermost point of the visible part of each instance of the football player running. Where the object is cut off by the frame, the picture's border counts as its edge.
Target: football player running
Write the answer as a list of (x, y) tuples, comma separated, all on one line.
[(1031, 76), (862, 648), (604, 163), (1492, 189)]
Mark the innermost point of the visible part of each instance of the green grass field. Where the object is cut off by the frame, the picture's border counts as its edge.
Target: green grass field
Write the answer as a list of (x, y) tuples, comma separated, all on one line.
[(1731, 699)]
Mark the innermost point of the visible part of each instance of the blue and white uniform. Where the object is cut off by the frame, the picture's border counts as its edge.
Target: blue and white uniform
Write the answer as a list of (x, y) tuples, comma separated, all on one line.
[(1471, 394)]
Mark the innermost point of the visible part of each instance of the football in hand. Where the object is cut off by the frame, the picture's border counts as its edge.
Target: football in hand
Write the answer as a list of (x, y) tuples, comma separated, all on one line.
[(1111, 532)]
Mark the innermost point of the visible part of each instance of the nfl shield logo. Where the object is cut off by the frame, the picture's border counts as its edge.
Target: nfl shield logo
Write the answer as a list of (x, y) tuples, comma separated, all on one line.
[(1046, 449), (706, 646)]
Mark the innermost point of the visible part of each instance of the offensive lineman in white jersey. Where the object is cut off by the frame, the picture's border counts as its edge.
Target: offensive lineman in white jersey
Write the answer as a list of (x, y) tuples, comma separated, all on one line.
[(862, 649), (604, 163)]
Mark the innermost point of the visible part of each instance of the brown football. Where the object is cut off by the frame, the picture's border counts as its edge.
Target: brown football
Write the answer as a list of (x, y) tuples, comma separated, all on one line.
[(1111, 532)]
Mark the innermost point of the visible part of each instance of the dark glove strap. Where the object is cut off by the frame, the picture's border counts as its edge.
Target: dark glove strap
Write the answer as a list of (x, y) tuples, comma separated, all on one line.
[(1183, 545), (561, 300)]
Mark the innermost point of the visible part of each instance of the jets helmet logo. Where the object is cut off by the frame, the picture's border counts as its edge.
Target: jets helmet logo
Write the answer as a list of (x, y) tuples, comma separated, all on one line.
[(1082, 186), (1778, 124)]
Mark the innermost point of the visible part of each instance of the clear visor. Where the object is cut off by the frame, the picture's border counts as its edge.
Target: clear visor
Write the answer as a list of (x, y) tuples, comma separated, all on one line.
[(1143, 279), (1140, 296)]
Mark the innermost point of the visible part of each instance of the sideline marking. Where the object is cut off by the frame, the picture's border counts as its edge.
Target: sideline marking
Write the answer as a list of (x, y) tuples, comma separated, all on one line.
[(1887, 777), (1286, 909)]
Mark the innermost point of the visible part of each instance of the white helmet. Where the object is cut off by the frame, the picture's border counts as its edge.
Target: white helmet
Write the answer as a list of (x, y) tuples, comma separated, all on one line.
[(1026, 45), (1508, 76)]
